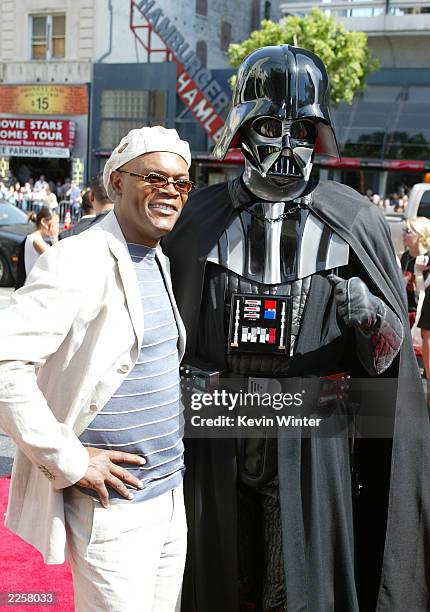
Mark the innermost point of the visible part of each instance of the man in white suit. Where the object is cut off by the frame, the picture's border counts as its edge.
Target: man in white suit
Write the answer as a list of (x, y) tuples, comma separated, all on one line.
[(89, 356)]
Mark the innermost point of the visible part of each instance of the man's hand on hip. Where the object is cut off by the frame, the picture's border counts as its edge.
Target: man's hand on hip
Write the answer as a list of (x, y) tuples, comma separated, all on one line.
[(103, 471)]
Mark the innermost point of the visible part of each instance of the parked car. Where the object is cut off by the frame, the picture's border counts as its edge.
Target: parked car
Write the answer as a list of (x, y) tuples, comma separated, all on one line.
[(14, 227), (418, 206)]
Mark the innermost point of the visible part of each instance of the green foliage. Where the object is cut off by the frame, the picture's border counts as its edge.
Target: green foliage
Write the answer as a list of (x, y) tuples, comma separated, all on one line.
[(345, 54)]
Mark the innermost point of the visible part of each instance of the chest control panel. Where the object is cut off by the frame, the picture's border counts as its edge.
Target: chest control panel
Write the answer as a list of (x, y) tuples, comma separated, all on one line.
[(260, 324)]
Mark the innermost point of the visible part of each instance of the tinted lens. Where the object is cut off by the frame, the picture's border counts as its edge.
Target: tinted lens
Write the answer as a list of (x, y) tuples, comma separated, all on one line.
[(303, 130), (268, 126), (156, 179), (184, 186)]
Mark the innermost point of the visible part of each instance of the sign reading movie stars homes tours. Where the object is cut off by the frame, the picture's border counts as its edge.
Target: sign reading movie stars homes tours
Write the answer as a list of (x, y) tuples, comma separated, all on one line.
[(39, 137), (195, 85)]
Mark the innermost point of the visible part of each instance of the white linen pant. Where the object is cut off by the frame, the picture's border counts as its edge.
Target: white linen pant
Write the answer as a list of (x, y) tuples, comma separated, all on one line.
[(129, 557)]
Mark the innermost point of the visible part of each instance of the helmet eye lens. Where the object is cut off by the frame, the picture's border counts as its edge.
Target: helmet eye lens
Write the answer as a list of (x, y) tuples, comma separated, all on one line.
[(268, 126), (303, 130)]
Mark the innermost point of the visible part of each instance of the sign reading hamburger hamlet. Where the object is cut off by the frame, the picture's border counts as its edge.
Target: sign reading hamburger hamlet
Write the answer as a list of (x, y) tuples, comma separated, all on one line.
[(195, 85)]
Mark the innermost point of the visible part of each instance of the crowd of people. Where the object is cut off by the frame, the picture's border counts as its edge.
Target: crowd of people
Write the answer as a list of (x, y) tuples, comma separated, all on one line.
[(33, 195), (392, 202), (94, 205)]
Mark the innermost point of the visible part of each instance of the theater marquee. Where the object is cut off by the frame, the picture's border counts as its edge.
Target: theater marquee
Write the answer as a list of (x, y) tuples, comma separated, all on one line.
[(44, 99)]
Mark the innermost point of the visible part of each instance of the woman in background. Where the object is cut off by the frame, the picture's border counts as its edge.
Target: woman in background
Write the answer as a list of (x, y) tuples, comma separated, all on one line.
[(423, 287), (416, 238), (49, 199), (34, 245)]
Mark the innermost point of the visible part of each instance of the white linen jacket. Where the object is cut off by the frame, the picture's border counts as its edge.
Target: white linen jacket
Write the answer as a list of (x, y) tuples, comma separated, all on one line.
[(67, 341)]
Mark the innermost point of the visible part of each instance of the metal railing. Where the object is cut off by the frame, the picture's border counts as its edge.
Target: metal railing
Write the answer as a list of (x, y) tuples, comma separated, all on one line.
[(63, 207), (358, 8)]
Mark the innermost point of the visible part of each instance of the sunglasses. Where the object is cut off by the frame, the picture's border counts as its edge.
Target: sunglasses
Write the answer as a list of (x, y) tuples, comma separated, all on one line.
[(159, 181)]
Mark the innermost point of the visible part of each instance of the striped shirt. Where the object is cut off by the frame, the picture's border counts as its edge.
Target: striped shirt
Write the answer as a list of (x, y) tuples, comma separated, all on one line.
[(143, 416)]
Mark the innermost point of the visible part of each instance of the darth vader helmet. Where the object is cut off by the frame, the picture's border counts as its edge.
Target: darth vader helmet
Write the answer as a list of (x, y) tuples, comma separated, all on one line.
[(280, 118)]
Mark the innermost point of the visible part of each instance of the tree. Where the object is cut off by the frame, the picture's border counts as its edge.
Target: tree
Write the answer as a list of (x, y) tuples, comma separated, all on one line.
[(345, 54)]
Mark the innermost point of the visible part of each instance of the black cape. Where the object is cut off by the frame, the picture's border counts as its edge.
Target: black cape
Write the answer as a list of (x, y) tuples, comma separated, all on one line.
[(317, 546)]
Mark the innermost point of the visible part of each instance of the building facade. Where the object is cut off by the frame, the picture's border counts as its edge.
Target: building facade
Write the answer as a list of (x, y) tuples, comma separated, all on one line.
[(384, 135), (186, 42), (76, 75), (46, 51)]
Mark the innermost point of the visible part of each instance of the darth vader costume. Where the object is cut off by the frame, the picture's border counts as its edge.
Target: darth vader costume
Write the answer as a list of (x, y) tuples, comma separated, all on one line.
[(279, 276)]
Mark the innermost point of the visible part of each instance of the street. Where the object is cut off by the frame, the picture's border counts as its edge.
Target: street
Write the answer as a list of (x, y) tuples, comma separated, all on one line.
[(6, 446)]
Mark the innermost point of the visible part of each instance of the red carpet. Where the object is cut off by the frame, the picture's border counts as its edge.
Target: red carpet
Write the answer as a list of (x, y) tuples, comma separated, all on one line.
[(22, 570)]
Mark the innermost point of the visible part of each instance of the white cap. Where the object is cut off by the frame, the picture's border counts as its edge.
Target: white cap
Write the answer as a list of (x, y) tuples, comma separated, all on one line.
[(144, 140)]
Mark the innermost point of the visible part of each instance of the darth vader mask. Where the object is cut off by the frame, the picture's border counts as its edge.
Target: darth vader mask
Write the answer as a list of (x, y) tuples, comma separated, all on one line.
[(278, 156), (280, 118)]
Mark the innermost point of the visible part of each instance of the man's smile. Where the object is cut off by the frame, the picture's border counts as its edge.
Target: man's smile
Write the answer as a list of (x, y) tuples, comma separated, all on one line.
[(164, 206)]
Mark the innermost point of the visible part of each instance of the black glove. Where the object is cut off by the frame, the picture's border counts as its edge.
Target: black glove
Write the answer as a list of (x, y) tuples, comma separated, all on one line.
[(356, 305)]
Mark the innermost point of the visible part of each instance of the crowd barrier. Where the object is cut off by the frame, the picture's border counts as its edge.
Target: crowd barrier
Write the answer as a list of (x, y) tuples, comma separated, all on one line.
[(63, 207)]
